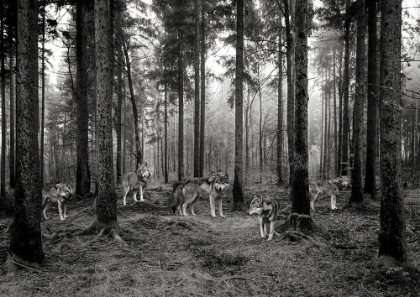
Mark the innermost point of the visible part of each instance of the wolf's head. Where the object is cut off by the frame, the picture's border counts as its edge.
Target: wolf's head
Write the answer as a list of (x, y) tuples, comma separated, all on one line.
[(256, 206), (143, 172)]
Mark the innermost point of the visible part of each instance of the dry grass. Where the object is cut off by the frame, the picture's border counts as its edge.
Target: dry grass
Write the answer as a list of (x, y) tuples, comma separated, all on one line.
[(168, 255)]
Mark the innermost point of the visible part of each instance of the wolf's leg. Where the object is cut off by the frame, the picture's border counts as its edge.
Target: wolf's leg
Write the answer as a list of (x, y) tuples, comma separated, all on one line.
[(141, 193), (312, 202), (44, 209), (179, 210), (333, 201), (184, 209), (212, 206), (126, 190), (65, 209), (219, 203), (271, 233), (265, 228), (135, 196), (260, 220), (192, 205), (59, 210)]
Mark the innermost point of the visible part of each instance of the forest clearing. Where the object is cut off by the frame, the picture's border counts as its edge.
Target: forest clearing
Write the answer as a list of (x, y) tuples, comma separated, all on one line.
[(167, 255)]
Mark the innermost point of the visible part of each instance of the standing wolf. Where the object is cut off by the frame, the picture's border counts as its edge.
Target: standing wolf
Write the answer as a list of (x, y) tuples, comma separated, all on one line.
[(135, 181), (187, 193), (59, 194), (323, 188), (267, 210)]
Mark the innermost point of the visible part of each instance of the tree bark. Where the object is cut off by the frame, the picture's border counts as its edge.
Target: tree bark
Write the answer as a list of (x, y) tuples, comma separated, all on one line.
[(133, 105), (3, 112), (106, 204), (392, 217), (197, 90), (237, 191), (346, 82), (180, 107), (356, 198), (372, 106), (25, 237), (290, 38), (81, 96), (12, 180), (279, 146), (203, 88)]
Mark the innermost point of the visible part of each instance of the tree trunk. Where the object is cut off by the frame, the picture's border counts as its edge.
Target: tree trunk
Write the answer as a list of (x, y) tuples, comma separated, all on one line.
[(166, 134), (290, 38), (237, 191), (25, 236), (335, 168), (260, 126), (203, 88), (392, 217), (356, 198), (340, 112), (279, 146), (300, 187), (372, 106), (134, 105), (82, 140), (346, 82), (197, 90), (12, 180), (3, 112), (106, 204)]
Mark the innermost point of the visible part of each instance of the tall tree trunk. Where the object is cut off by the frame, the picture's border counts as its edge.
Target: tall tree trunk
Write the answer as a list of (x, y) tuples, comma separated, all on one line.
[(372, 106), (197, 90), (12, 180), (120, 87), (280, 113), (25, 237), (290, 38), (346, 82), (237, 191), (356, 198), (133, 105), (260, 127), (180, 107), (321, 152), (203, 88), (41, 153), (82, 140), (340, 112), (300, 219), (335, 168), (392, 217), (166, 134), (3, 112), (106, 204)]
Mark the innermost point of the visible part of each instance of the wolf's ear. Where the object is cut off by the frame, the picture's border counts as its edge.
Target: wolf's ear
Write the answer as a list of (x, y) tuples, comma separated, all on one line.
[(211, 179), (265, 205), (145, 163)]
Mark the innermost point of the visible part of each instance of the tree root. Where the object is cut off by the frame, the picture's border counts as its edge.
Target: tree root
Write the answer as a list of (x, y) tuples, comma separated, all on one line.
[(103, 229), (300, 227), (13, 261)]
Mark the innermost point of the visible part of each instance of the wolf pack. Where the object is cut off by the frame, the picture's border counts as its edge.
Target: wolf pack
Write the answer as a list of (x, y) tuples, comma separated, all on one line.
[(187, 192)]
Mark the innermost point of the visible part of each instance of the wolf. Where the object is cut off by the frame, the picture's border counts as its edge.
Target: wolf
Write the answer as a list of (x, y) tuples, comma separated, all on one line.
[(187, 193), (136, 181), (59, 194), (323, 188), (267, 210)]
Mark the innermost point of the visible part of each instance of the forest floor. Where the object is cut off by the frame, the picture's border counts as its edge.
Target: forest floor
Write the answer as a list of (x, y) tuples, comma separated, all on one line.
[(168, 255)]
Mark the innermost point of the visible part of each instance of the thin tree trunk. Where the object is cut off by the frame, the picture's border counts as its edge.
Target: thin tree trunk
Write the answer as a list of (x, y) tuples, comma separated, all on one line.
[(166, 134), (290, 38), (340, 112), (260, 138), (203, 89), (12, 180), (134, 106), (280, 114), (237, 191), (3, 112), (41, 153), (180, 107), (392, 216), (197, 90), (346, 82), (335, 168)]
